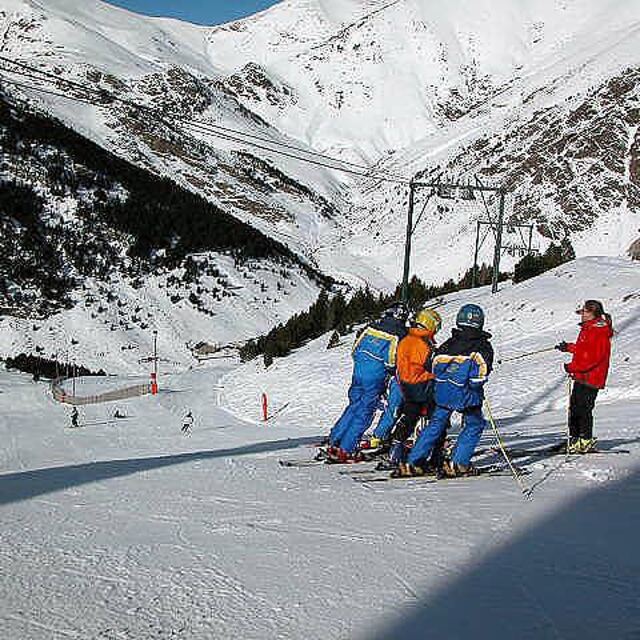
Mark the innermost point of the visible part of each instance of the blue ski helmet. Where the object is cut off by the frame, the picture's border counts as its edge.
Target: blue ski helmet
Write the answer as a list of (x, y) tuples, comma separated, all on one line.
[(470, 315)]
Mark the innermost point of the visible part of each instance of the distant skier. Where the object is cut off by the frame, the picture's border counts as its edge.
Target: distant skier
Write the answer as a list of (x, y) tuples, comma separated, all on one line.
[(461, 369), (374, 358), (187, 423), (588, 368), (117, 414), (74, 417), (415, 378)]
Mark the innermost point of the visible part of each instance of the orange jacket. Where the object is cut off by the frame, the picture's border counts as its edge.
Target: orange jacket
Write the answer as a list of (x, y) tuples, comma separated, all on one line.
[(414, 357)]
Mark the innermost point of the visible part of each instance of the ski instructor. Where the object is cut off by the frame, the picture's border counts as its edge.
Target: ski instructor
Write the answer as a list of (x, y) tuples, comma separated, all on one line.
[(588, 369)]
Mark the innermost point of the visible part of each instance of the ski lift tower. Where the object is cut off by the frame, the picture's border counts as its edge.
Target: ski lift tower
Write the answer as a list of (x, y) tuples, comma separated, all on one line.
[(449, 190)]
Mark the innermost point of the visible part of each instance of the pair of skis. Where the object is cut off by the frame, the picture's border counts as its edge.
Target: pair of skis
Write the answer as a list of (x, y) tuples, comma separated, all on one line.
[(322, 457), (373, 475), (89, 424), (557, 449), (368, 476)]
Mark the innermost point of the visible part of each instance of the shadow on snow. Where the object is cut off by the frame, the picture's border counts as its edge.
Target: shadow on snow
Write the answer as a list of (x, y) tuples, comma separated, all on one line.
[(15, 487), (574, 575)]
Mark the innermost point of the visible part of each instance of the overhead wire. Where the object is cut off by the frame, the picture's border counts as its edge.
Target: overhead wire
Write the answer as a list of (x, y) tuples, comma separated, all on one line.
[(204, 123), (216, 134), (216, 130)]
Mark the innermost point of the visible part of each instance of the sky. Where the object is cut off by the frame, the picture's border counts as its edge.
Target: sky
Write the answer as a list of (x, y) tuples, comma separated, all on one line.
[(199, 11)]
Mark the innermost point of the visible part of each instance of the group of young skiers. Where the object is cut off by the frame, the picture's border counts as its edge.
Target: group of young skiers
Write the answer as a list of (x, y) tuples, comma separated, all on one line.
[(399, 359)]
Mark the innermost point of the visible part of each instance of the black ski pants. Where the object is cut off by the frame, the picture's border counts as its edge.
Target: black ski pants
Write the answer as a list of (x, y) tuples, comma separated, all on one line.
[(410, 414), (583, 399), (406, 424)]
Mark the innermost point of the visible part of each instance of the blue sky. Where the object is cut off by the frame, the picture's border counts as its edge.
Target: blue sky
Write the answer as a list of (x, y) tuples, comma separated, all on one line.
[(199, 11)]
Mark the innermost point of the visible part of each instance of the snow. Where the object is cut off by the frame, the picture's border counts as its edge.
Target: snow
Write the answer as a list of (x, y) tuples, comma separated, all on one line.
[(370, 81), (125, 528), (131, 530), (100, 331)]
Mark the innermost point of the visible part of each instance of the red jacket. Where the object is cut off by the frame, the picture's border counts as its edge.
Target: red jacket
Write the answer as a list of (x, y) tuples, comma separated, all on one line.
[(591, 353)]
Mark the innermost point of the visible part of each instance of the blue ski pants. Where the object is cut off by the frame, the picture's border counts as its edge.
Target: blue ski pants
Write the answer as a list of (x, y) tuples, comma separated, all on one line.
[(367, 385), (392, 411), (473, 424)]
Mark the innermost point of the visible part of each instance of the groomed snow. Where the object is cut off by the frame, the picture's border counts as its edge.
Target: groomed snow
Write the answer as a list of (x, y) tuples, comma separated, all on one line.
[(127, 529)]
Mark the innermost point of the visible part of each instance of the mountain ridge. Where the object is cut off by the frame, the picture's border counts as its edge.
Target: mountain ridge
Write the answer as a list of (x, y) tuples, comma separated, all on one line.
[(397, 86)]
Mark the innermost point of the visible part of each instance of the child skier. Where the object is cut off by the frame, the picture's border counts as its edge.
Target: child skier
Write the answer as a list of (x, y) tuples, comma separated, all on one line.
[(414, 373), (461, 369), (374, 357), (588, 368), (382, 433)]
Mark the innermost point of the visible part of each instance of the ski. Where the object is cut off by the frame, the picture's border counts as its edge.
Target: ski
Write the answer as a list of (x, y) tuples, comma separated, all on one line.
[(558, 449), (428, 479), (358, 472), (489, 470), (300, 463), (323, 458), (89, 424), (313, 462)]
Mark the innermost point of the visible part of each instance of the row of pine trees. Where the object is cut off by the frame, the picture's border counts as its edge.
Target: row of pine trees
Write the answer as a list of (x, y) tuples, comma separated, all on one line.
[(336, 313)]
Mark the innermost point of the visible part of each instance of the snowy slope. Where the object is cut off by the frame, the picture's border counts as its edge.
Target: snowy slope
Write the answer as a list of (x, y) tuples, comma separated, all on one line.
[(127, 529), (473, 88), (116, 335), (80, 281), (522, 318), (164, 64)]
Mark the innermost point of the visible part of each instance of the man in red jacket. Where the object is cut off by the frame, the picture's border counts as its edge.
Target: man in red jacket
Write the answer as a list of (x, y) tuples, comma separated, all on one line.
[(588, 368)]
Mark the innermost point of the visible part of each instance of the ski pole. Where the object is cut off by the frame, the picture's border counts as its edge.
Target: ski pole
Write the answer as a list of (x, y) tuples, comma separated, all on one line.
[(526, 355), (526, 492), (569, 390)]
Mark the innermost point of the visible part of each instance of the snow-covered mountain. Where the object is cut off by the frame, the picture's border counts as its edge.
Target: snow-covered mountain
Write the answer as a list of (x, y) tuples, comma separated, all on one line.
[(540, 97), (476, 88), (164, 64)]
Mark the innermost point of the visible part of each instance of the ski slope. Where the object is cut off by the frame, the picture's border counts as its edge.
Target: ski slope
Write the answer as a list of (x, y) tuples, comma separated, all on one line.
[(128, 529)]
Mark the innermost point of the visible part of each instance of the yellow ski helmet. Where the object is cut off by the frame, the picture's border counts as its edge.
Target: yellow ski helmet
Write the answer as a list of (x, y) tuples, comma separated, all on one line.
[(428, 319)]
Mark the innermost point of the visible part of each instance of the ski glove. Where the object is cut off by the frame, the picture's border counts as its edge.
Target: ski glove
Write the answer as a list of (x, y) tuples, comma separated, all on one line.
[(562, 346)]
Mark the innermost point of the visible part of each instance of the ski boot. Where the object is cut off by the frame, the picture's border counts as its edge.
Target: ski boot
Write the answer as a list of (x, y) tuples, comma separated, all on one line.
[(451, 469), (574, 446), (385, 464), (406, 470), (586, 445), (336, 455), (374, 445), (397, 454)]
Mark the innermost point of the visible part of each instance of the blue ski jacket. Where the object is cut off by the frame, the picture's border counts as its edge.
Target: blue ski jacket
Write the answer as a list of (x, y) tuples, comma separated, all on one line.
[(380, 341), (461, 368)]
